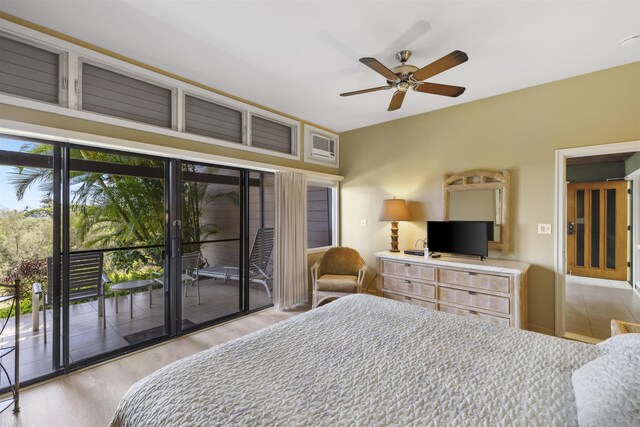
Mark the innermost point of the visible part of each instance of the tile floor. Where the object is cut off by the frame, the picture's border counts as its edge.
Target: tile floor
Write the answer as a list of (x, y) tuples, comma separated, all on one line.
[(88, 337), (590, 304)]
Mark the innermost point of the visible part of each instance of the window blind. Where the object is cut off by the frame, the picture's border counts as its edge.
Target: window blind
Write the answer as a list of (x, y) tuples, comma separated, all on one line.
[(117, 95), (213, 120), (28, 71), (270, 135)]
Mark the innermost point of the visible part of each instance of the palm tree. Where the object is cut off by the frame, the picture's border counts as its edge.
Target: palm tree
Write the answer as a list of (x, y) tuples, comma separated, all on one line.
[(111, 210)]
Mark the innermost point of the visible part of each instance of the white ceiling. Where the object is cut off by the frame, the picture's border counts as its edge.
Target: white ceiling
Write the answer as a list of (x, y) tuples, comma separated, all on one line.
[(297, 56)]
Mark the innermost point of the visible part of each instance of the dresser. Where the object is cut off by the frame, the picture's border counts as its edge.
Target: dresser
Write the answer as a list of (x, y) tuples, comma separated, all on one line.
[(493, 291)]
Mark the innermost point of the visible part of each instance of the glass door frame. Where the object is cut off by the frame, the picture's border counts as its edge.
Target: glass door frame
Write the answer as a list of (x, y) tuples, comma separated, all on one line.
[(61, 325), (61, 164)]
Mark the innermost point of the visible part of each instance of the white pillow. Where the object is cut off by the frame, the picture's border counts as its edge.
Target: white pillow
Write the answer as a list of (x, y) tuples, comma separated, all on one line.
[(625, 343), (607, 390)]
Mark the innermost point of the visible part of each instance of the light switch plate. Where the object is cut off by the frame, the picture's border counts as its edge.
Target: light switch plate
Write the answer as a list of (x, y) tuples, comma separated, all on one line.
[(544, 228), (363, 223)]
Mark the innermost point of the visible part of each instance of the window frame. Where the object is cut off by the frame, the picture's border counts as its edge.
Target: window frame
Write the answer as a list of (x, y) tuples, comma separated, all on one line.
[(81, 60), (232, 106), (63, 86), (335, 198), (291, 124), (71, 57)]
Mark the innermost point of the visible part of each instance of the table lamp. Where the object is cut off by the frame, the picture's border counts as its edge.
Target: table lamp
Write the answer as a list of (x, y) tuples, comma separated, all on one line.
[(394, 210)]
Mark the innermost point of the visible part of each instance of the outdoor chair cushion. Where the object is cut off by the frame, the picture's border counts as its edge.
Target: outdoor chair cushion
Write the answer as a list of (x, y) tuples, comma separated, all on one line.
[(337, 283)]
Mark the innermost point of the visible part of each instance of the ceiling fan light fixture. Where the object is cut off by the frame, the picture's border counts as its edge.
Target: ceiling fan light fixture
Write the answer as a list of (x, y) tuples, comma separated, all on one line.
[(402, 86)]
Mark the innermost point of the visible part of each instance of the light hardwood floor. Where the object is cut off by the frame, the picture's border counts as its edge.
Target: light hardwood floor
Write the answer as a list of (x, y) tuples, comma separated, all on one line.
[(89, 397)]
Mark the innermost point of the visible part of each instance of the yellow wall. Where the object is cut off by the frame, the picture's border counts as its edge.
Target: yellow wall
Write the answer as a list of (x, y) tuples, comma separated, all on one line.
[(518, 131)]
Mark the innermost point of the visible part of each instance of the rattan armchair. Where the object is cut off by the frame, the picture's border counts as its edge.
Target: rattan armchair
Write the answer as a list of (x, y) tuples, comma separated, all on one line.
[(338, 273)]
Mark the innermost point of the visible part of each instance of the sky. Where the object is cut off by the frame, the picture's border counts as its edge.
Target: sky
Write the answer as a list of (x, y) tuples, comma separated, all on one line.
[(8, 198)]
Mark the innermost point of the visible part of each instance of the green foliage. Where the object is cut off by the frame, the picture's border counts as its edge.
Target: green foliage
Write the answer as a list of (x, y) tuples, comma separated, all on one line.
[(23, 236), (107, 211), (28, 271)]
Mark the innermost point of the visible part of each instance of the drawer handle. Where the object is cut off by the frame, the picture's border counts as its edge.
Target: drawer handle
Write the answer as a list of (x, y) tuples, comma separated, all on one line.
[(471, 293), (473, 312), (407, 298), (471, 273), (407, 265), (407, 281)]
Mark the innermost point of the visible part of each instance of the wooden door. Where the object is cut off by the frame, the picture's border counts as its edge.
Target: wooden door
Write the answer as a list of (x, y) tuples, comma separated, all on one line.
[(597, 229)]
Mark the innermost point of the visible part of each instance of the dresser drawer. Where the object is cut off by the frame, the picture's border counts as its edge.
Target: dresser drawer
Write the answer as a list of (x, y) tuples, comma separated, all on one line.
[(475, 315), (410, 300), (488, 282), (410, 270), (474, 299), (409, 286)]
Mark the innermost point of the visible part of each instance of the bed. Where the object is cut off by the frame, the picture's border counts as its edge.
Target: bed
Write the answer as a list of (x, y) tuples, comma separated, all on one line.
[(364, 360)]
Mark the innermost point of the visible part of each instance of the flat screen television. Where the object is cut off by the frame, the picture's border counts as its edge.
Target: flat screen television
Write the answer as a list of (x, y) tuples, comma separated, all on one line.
[(460, 237)]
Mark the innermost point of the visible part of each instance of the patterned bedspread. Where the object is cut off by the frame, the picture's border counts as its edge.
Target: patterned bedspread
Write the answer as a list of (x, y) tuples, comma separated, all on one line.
[(366, 361)]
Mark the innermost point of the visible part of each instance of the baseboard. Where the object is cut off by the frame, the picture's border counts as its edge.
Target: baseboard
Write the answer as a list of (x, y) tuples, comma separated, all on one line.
[(582, 338), (541, 330)]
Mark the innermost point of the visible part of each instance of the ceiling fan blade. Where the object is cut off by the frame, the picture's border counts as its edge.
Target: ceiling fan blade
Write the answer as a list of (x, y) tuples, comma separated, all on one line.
[(379, 68), (396, 101), (358, 92), (438, 89), (443, 64)]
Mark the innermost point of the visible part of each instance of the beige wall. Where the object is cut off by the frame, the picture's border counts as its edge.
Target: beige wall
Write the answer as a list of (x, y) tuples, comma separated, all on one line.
[(26, 115), (518, 131)]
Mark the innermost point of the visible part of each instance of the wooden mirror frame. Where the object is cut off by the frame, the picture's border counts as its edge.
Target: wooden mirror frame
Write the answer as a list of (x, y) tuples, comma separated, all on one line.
[(475, 180)]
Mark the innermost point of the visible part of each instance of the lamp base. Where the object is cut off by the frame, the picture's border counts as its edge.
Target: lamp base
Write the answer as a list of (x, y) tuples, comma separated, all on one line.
[(394, 237)]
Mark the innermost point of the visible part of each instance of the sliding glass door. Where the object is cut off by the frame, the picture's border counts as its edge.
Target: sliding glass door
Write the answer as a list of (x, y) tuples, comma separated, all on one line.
[(260, 226), (211, 212), (118, 250), (114, 228), (28, 216)]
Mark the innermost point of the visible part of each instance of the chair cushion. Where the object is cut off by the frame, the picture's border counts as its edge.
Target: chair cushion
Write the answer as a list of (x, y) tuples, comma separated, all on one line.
[(337, 283), (340, 261)]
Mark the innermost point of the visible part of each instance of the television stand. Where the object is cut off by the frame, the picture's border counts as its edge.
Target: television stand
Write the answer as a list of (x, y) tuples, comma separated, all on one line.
[(492, 290)]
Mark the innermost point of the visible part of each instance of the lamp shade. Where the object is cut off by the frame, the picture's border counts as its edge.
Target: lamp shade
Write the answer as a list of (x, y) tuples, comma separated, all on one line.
[(394, 210)]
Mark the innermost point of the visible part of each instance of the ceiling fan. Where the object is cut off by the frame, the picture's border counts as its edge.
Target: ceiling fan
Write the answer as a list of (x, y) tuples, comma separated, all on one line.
[(406, 76)]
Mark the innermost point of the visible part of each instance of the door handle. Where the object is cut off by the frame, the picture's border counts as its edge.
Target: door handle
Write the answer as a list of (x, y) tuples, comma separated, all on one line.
[(571, 228)]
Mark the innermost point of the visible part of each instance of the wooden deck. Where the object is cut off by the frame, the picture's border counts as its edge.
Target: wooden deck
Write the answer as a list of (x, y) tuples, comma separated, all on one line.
[(88, 337)]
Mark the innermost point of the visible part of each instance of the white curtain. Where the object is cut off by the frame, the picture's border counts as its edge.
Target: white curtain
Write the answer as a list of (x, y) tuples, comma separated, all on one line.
[(290, 245)]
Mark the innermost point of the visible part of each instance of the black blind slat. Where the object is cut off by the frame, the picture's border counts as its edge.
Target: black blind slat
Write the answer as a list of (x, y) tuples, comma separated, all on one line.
[(28, 71), (270, 135), (210, 119), (117, 95)]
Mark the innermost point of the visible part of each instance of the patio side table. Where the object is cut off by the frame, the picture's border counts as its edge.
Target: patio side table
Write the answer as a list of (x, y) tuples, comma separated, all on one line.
[(131, 286)]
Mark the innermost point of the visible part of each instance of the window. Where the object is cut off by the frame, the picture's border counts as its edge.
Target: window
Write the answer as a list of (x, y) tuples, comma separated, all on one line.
[(114, 94), (28, 71), (209, 119), (271, 135), (320, 216), (63, 78)]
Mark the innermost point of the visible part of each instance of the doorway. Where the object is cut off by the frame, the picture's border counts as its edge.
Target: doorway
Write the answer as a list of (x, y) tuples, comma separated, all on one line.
[(595, 227)]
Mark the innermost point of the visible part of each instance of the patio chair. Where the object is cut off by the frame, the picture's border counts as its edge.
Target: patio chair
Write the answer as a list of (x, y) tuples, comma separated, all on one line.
[(258, 261), (190, 263), (86, 281)]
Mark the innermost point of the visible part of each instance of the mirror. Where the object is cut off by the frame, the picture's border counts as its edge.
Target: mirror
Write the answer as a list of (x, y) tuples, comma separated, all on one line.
[(479, 205), (480, 196)]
